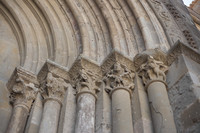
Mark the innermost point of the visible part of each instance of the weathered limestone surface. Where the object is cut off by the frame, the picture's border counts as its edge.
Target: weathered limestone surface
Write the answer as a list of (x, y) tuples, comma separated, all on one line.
[(35, 115), (79, 41), (121, 111), (53, 94), (119, 84), (103, 112), (68, 112), (162, 113), (85, 122), (141, 110), (23, 91), (50, 117), (184, 93), (153, 75)]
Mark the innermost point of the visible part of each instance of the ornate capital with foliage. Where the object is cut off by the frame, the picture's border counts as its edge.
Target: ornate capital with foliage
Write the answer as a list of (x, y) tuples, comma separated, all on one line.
[(23, 87), (119, 77), (152, 70), (54, 88), (87, 82)]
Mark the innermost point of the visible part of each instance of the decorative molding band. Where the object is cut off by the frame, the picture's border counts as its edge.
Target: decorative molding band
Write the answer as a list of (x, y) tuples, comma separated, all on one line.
[(180, 48)]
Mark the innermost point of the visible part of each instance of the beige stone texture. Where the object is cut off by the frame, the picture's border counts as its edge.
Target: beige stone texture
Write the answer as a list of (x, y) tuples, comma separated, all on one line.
[(89, 48)]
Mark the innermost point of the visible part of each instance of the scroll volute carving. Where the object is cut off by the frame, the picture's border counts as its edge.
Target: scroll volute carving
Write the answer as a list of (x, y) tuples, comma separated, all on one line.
[(87, 82), (23, 92), (119, 76), (152, 70), (54, 88)]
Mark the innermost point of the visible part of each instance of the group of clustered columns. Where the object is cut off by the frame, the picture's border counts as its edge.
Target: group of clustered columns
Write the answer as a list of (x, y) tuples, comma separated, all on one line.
[(119, 84)]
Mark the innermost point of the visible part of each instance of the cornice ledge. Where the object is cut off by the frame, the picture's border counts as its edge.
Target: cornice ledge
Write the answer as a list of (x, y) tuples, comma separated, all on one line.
[(116, 57), (54, 68), (180, 48), (24, 74), (142, 58)]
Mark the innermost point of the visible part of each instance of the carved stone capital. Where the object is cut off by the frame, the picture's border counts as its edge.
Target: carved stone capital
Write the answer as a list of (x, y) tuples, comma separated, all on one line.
[(85, 77), (119, 77), (152, 70), (54, 80), (54, 88), (118, 71), (23, 87)]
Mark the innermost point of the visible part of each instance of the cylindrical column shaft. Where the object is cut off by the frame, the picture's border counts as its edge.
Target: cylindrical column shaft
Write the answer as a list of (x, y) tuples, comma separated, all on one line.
[(18, 119), (50, 118), (121, 112), (162, 114), (85, 121)]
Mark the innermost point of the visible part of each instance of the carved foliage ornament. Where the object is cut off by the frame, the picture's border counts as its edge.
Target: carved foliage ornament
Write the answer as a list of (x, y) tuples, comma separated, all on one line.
[(23, 92), (87, 82), (152, 70), (54, 88), (118, 77)]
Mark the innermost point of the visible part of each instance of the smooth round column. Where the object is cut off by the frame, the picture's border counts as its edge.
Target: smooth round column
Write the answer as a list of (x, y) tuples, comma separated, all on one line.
[(85, 119), (121, 111), (18, 119), (162, 113), (50, 118)]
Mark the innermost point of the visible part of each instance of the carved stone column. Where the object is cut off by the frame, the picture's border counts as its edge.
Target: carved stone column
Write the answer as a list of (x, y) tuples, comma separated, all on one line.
[(23, 92), (153, 76), (86, 99), (53, 93), (119, 83)]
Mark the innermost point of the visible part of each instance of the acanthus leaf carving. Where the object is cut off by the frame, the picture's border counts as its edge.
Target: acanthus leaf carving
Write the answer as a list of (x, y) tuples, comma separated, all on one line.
[(119, 76), (152, 70), (54, 88), (87, 82)]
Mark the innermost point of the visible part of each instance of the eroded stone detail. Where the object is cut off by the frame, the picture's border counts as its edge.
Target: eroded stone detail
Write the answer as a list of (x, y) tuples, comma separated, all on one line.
[(54, 88), (23, 93), (152, 70), (119, 76), (87, 82)]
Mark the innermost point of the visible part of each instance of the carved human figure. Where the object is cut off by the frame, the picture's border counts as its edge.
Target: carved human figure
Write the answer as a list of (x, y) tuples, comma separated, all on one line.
[(119, 77), (152, 70), (153, 75)]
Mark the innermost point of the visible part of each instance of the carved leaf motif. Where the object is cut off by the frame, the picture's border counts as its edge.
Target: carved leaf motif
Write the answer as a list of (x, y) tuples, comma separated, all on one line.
[(54, 88), (119, 77)]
